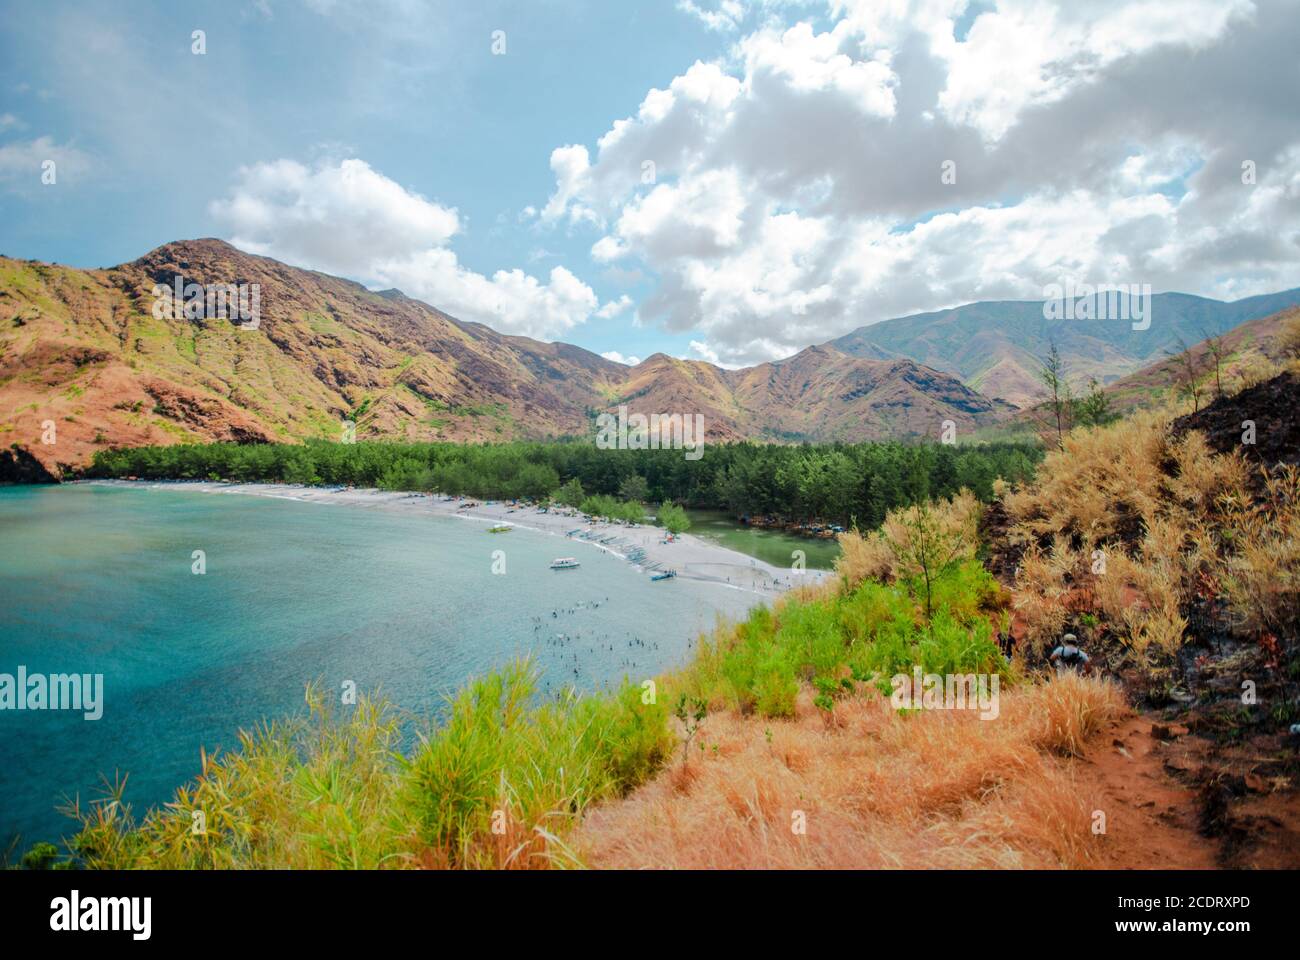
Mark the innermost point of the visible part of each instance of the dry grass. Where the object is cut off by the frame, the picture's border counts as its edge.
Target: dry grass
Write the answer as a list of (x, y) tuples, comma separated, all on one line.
[(1067, 712), (1167, 517), (1261, 577), (1100, 478), (935, 789), (864, 558), (876, 555)]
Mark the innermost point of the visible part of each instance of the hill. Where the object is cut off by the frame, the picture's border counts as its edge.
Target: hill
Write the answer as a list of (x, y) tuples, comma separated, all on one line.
[(1247, 355), (1244, 351), (106, 362), (996, 347), (818, 394)]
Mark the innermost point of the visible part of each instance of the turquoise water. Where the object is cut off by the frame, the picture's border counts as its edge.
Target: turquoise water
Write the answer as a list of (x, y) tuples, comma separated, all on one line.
[(97, 579), (771, 546)]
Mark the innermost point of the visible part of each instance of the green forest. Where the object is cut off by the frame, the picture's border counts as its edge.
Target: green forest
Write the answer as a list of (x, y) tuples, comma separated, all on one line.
[(832, 483)]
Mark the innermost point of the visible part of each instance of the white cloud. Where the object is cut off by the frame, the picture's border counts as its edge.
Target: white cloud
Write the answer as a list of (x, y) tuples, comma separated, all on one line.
[(617, 357), (346, 218), (727, 16), (1029, 53), (809, 63), (22, 163), (797, 190), (699, 350), (510, 301), (663, 140), (615, 308), (698, 216), (339, 217), (570, 165)]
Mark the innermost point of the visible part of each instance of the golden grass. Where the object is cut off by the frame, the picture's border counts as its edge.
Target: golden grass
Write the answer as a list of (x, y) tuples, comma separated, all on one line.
[(875, 556), (1261, 577), (1168, 517), (876, 789), (1100, 476)]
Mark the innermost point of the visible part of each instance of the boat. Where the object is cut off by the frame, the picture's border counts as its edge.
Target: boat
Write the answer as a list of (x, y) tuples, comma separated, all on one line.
[(666, 575), (500, 528), (564, 563)]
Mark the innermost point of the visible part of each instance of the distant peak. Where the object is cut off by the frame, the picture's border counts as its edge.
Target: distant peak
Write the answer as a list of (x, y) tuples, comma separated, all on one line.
[(208, 244), (184, 251)]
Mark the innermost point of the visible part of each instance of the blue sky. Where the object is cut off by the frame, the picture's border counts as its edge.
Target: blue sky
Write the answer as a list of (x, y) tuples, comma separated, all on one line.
[(796, 149), (430, 107)]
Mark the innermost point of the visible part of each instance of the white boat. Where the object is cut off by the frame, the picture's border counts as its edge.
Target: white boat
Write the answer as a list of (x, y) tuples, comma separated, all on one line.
[(564, 563)]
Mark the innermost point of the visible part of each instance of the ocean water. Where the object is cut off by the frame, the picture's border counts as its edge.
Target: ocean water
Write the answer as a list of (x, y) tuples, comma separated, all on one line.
[(98, 580), (771, 546)]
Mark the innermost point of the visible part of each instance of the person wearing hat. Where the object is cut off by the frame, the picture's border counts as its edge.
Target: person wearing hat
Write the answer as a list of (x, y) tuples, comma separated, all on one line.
[(1068, 656)]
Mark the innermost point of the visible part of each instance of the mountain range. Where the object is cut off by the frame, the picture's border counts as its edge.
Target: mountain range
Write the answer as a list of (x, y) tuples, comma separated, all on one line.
[(88, 361), (997, 347)]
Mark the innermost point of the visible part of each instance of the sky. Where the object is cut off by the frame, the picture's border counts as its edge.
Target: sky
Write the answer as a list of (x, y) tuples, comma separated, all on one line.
[(729, 180)]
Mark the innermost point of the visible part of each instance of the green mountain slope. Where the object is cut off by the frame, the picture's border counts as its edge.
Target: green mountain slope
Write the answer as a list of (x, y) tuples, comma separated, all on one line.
[(90, 353), (997, 346)]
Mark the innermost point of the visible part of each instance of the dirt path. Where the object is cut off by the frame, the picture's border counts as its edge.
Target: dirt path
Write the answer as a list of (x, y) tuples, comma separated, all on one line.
[(1151, 817), (1180, 801)]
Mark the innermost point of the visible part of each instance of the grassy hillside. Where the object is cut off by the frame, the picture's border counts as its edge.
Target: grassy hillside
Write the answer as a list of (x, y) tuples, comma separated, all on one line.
[(997, 347), (781, 743), (1182, 380), (90, 352), (1248, 354), (84, 350)]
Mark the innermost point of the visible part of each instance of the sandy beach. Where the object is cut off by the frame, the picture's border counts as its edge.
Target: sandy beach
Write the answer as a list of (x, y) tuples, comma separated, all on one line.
[(644, 545)]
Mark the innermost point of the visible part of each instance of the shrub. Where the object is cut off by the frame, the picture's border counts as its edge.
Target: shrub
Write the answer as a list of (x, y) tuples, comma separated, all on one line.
[(673, 518), (535, 769), (775, 687), (1261, 575), (925, 539), (492, 787)]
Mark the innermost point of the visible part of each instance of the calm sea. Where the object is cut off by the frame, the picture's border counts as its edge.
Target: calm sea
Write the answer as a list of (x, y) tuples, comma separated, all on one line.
[(98, 580)]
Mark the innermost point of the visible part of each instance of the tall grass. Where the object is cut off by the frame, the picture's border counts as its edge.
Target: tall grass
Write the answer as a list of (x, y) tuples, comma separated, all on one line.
[(507, 778), (311, 792), (502, 781), (862, 634), (495, 786), (1130, 526), (942, 790)]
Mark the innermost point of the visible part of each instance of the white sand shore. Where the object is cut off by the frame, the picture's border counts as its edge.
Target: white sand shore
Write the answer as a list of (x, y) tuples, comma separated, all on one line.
[(689, 556)]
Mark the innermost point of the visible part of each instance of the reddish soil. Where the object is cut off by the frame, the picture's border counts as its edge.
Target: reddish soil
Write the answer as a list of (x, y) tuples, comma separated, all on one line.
[(1152, 817), (1182, 801)]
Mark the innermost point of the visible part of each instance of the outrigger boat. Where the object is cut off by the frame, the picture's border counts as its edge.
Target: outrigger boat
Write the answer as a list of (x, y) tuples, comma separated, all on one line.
[(500, 528), (564, 563), (666, 575)]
